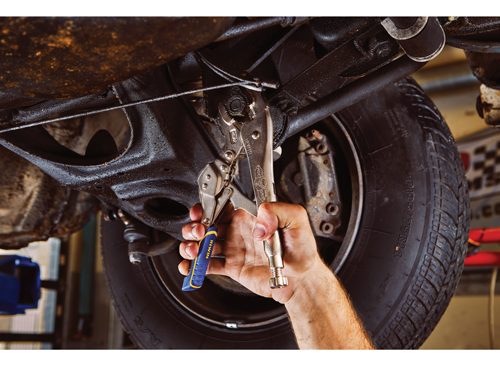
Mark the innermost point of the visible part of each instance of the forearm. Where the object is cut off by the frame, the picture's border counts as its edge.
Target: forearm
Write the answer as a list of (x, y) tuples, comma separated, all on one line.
[(322, 315)]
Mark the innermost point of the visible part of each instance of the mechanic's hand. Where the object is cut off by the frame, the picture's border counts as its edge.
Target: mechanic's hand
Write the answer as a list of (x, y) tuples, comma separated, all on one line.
[(240, 242)]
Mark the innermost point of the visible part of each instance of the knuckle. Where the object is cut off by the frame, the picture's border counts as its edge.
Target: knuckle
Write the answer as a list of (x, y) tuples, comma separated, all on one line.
[(267, 206), (239, 215), (300, 211)]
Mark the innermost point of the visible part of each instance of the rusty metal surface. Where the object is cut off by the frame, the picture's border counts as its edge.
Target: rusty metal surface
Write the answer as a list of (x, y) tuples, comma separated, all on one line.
[(490, 104), (483, 27), (70, 57), (484, 66), (33, 206), (310, 179), (322, 200)]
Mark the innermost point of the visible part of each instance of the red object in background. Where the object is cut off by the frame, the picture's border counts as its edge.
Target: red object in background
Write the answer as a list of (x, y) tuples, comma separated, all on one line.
[(484, 236), (484, 258), (465, 160)]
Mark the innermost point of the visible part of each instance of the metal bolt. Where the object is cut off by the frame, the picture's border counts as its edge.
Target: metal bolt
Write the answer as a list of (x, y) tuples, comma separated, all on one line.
[(378, 48), (109, 216), (321, 148), (310, 135), (236, 104), (229, 154), (326, 227), (134, 258), (298, 179), (332, 209), (223, 168), (255, 135), (204, 186)]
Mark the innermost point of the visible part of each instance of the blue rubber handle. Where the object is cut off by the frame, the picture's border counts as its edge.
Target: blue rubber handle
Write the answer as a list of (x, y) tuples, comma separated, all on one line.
[(194, 280)]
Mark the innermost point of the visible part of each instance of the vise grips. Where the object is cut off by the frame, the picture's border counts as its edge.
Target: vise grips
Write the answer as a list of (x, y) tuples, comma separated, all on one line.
[(250, 137)]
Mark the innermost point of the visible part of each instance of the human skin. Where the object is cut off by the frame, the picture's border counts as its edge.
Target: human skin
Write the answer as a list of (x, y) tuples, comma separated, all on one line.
[(319, 309)]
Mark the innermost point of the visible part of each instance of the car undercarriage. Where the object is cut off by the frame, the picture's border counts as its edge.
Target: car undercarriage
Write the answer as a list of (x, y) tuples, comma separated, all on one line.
[(121, 115)]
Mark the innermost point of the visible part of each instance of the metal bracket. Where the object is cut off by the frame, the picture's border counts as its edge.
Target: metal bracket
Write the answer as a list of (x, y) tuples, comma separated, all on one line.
[(402, 34)]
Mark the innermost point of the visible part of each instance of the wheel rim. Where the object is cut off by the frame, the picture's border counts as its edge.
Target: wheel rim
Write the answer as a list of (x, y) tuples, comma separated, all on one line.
[(232, 307)]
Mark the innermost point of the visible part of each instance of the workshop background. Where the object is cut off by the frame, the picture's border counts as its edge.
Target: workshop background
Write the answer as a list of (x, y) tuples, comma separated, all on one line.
[(75, 311)]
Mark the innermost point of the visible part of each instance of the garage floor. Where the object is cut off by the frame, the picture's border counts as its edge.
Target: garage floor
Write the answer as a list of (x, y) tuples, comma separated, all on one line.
[(465, 325)]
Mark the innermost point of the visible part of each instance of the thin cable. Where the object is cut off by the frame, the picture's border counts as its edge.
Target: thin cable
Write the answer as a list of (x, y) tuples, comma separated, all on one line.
[(272, 49), (125, 105), (216, 69), (491, 307), (230, 77)]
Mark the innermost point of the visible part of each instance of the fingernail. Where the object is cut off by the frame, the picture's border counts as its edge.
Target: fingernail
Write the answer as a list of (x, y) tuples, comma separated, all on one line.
[(259, 231), (188, 250), (193, 231)]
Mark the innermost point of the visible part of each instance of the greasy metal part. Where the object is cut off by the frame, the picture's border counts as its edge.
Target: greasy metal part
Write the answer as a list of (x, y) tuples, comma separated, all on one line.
[(138, 250), (332, 32), (135, 237), (243, 28), (473, 27), (421, 38), (67, 57), (484, 66), (154, 178), (14, 115), (474, 34), (350, 60), (489, 102), (257, 139), (20, 126), (35, 207), (139, 241), (350, 94), (319, 181), (360, 52)]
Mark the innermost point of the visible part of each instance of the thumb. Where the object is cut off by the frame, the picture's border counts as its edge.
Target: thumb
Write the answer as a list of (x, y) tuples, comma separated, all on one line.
[(272, 216)]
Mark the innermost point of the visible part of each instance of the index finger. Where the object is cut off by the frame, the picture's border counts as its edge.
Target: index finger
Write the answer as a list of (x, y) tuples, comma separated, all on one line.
[(196, 212)]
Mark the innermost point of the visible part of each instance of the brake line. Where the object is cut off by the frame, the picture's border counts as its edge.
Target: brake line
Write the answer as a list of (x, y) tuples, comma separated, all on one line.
[(253, 85)]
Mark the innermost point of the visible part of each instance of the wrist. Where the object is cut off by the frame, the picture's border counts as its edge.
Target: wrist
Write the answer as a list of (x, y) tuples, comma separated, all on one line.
[(309, 284)]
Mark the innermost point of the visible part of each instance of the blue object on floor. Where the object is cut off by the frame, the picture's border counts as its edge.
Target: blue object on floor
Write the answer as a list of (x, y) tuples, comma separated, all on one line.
[(19, 284)]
